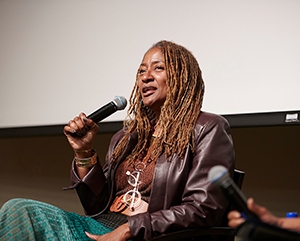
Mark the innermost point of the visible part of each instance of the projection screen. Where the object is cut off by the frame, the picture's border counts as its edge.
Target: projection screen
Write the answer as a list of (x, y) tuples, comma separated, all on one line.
[(60, 58)]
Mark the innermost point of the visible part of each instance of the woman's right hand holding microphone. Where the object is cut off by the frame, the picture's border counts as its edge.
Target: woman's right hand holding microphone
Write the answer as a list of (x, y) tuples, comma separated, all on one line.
[(80, 133)]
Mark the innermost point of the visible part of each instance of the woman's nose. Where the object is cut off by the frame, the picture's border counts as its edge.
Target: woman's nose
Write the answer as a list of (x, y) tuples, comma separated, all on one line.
[(147, 76)]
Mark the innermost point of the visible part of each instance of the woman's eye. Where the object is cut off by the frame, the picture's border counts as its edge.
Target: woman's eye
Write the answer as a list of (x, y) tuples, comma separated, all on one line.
[(141, 71), (159, 68)]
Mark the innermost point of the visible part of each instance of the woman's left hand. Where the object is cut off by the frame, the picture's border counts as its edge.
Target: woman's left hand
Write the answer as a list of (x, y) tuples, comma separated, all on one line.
[(121, 233)]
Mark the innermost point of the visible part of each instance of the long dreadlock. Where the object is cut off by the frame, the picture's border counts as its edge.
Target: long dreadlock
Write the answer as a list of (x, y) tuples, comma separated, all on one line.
[(185, 90)]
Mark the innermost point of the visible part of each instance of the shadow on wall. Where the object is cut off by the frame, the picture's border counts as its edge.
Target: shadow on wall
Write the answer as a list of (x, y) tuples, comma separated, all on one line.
[(270, 156), (38, 168)]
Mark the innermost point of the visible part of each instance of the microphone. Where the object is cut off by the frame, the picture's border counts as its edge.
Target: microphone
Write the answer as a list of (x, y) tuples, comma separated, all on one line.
[(253, 228), (219, 177), (118, 103)]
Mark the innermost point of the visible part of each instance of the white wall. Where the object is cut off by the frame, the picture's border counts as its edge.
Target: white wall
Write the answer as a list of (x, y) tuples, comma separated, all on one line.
[(61, 57)]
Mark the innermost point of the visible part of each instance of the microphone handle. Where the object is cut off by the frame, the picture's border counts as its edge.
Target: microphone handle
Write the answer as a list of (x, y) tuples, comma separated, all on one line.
[(237, 198), (100, 114), (103, 112)]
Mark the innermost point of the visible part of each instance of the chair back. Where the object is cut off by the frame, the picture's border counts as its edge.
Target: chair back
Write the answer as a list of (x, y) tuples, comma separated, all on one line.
[(238, 177)]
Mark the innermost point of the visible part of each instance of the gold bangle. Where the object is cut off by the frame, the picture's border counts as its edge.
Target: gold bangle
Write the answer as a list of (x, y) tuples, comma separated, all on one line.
[(86, 162)]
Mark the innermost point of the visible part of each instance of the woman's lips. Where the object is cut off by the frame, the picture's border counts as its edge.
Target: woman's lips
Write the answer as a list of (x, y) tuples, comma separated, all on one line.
[(148, 90)]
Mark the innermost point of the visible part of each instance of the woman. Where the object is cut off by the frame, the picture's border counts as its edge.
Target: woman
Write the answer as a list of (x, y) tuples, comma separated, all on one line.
[(155, 177)]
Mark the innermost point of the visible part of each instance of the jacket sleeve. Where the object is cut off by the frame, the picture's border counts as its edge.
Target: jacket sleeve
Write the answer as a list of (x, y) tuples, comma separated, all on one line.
[(194, 203), (94, 189)]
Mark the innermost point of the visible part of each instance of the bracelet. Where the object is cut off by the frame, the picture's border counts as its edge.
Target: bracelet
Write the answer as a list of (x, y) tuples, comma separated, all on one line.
[(84, 151), (86, 162)]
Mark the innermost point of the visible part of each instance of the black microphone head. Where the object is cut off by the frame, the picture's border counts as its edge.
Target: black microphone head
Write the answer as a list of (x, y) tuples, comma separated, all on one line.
[(120, 102), (216, 172)]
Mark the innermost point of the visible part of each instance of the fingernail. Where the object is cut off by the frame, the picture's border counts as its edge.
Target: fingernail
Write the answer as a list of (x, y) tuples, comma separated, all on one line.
[(85, 119)]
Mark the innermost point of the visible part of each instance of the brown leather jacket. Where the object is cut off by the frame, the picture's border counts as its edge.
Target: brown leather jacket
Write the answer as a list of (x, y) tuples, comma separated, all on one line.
[(181, 196)]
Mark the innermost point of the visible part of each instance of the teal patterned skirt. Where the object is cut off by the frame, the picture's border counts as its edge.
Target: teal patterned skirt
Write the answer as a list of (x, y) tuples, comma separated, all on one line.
[(24, 219)]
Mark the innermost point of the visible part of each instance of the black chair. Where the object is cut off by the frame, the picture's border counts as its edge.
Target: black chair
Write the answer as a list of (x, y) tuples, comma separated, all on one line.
[(220, 233)]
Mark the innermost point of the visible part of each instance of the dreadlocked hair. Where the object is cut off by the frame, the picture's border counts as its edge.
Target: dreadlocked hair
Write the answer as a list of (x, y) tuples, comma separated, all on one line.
[(179, 113)]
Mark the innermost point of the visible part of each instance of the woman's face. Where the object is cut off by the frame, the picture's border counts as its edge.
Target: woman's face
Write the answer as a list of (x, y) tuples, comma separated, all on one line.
[(152, 79)]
